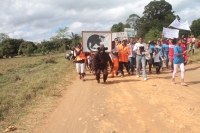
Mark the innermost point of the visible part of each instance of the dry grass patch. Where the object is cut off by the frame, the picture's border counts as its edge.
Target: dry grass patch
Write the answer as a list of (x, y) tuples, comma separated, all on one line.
[(26, 81)]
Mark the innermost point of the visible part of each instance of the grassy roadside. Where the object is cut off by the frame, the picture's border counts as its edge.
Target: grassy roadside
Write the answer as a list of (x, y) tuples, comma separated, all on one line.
[(26, 82), (194, 58)]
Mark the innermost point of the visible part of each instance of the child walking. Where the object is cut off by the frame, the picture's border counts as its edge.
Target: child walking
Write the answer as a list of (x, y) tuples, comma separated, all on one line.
[(157, 57)]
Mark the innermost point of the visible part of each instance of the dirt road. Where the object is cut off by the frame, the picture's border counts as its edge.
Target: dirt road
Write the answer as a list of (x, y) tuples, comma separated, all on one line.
[(129, 105)]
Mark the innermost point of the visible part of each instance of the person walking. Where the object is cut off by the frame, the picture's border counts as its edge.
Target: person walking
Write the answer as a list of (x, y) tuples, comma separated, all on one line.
[(123, 52), (171, 53), (140, 48), (80, 61), (165, 48), (114, 58), (131, 57), (178, 61), (157, 58), (148, 56), (100, 63), (160, 50)]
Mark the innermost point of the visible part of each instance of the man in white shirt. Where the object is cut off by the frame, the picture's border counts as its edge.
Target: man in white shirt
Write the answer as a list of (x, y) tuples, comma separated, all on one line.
[(140, 48)]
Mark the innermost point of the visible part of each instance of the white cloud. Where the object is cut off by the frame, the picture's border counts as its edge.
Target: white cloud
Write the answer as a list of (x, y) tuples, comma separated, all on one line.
[(36, 19)]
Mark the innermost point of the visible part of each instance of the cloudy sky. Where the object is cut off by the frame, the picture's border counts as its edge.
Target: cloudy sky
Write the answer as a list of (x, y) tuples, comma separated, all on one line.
[(36, 20)]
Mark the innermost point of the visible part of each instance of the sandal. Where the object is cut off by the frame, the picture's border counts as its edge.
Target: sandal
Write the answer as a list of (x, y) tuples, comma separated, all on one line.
[(184, 84)]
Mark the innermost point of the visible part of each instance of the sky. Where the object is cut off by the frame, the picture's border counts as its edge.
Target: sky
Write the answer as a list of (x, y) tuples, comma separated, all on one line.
[(38, 20)]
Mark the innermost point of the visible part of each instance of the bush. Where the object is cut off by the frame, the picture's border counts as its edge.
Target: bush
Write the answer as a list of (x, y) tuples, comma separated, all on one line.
[(62, 49), (153, 34), (49, 59)]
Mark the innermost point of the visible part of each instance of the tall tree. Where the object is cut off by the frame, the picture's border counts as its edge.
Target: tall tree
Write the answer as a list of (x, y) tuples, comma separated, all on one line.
[(75, 38), (62, 33), (9, 47), (133, 21), (118, 27), (195, 27), (3, 37), (157, 14), (27, 48)]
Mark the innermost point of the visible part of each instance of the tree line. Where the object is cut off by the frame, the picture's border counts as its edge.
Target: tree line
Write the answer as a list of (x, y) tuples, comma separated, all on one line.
[(156, 15), (10, 47)]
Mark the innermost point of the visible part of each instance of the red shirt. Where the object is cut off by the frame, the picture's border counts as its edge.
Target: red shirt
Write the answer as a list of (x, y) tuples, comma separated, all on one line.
[(171, 49), (184, 48)]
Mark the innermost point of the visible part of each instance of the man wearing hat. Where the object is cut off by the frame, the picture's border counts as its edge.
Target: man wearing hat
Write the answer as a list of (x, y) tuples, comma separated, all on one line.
[(100, 63)]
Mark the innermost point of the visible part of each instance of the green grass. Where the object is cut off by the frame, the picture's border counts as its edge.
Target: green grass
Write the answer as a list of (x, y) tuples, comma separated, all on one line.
[(25, 80), (194, 58)]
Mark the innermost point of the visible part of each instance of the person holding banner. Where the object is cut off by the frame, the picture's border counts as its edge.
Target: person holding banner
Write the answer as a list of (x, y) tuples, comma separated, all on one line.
[(140, 48), (178, 61)]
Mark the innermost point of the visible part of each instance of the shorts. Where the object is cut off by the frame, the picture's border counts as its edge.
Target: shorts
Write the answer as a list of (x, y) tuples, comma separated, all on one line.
[(80, 67)]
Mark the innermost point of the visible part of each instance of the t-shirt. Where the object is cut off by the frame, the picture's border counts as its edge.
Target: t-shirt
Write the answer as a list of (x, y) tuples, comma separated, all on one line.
[(160, 50), (112, 56), (171, 50), (132, 52), (178, 59), (136, 47), (157, 57), (165, 47), (193, 40), (89, 59), (152, 47), (147, 54), (123, 52)]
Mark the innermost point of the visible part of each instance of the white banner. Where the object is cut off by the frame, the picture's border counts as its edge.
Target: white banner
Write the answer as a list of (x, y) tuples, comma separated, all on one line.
[(93, 39), (119, 35), (178, 25), (170, 33)]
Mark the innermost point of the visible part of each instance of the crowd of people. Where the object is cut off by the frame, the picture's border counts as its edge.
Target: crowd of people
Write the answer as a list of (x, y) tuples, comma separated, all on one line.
[(134, 55)]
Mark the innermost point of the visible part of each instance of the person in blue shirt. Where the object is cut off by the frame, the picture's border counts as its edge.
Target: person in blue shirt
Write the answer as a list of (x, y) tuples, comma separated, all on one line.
[(165, 48), (178, 61), (152, 47)]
